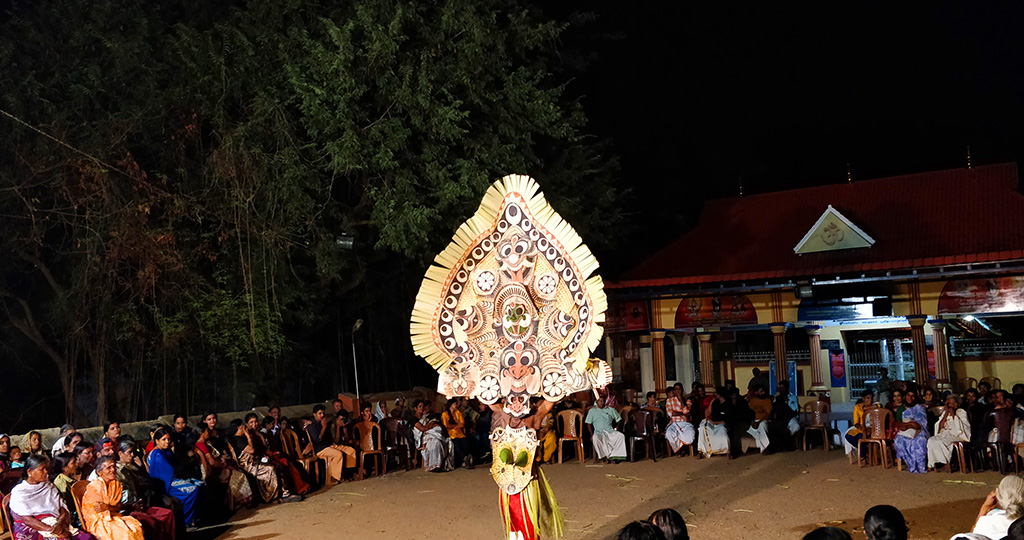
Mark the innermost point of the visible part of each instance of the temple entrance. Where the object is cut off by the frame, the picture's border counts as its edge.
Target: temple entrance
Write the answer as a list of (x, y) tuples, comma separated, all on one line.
[(871, 350)]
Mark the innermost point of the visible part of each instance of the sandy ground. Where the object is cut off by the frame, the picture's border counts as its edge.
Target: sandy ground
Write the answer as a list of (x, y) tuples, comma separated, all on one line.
[(764, 497)]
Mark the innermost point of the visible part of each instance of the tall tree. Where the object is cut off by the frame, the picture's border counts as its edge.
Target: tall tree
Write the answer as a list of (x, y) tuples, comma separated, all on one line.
[(182, 230)]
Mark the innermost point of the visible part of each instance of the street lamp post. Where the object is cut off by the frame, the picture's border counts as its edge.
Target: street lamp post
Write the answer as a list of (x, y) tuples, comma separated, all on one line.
[(355, 364)]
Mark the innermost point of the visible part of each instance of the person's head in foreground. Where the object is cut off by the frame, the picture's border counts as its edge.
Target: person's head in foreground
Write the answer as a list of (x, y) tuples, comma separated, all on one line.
[(1010, 496), (641, 530), (670, 523), (884, 522), (828, 533)]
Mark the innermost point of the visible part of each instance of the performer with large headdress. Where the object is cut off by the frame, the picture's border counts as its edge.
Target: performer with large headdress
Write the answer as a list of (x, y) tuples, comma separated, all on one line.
[(509, 311)]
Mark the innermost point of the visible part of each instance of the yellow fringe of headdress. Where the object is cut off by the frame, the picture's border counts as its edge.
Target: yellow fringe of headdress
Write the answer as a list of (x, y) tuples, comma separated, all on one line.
[(436, 280)]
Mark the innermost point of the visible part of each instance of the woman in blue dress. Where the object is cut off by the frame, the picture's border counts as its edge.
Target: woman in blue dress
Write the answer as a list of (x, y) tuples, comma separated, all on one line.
[(912, 437), (161, 467)]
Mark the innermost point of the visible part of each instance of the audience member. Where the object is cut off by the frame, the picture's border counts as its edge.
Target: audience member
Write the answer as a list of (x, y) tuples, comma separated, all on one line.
[(222, 470), (884, 522), (35, 444), (1016, 530), (1003, 506), (86, 454), (17, 459), (951, 428), (758, 378), (64, 471), (641, 530), (250, 455), (1000, 417), (428, 436), (670, 522), (784, 423), (5, 451), (738, 420), (983, 390), (828, 533), (714, 435), (62, 440), (761, 406), (912, 434), (101, 506), (337, 456), (156, 513), (112, 430), (609, 443), (37, 508), (679, 431), (161, 467), (859, 429), (455, 424), (546, 435)]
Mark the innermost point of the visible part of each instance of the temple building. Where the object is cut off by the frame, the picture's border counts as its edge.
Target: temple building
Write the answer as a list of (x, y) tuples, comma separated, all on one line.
[(922, 275)]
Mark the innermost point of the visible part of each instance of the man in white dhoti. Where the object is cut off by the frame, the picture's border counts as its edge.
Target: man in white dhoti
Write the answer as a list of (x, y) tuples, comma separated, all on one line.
[(951, 427), (713, 436), (609, 443), (762, 407), (679, 431)]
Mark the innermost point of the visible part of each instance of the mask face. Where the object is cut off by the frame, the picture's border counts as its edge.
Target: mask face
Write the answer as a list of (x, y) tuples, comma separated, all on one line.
[(513, 450)]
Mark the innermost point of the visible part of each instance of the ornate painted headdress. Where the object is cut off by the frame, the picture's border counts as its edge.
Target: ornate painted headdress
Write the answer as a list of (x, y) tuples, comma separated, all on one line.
[(510, 308)]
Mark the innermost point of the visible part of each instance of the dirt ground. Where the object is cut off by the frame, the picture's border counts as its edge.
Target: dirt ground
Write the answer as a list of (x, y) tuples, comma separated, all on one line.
[(764, 497)]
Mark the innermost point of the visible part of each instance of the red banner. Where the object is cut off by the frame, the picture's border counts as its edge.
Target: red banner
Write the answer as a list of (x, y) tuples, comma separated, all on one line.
[(992, 295), (716, 310), (626, 316), (837, 361)]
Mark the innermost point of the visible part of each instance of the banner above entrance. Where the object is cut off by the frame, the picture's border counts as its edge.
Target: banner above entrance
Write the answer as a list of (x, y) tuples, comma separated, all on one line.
[(626, 316), (992, 295), (718, 310)]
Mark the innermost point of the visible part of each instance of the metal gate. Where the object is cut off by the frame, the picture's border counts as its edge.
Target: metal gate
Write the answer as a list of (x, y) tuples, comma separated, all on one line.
[(869, 352)]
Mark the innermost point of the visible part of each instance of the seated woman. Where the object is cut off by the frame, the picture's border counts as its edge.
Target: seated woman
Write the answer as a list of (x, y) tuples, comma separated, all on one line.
[(287, 472), (951, 428), (912, 434), (101, 506), (64, 470), (1001, 508), (35, 444), (161, 467), (157, 523), (860, 425), (5, 450), (250, 452), (38, 510), (223, 470)]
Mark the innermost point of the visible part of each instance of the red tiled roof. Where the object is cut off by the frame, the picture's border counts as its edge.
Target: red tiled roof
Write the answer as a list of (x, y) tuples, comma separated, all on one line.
[(958, 216)]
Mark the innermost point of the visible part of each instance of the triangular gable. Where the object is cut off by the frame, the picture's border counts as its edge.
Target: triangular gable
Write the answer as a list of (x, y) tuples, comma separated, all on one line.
[(833, 232)]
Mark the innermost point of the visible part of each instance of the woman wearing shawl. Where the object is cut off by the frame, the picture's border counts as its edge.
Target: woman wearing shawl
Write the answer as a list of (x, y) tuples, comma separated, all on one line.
[(912, 438), (101, 506), (221, 469), (35, 444), (37, 509), (157, 523), (161, 467), (951, 428)]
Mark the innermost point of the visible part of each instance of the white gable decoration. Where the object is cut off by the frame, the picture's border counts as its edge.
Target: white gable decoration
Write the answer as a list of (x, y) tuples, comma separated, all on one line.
[(833, 232)]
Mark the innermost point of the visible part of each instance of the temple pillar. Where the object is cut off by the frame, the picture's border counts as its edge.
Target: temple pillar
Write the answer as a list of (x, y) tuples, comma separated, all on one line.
[(921, 373), (707, 371), (658, 354), (941, 347), (819, 367), (779, 341)]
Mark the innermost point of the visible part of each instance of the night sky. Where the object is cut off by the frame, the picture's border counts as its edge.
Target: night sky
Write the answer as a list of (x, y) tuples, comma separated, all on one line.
[(697, 95)]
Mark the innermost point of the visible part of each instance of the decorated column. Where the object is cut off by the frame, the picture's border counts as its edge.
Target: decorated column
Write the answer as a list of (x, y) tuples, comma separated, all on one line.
[(658, 354), (819, 367), (940, 346), (921, 372), (779, 340), (707, 371)]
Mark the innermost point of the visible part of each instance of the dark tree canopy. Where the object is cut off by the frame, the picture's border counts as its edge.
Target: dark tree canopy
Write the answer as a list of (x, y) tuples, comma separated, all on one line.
[(176, 246)]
